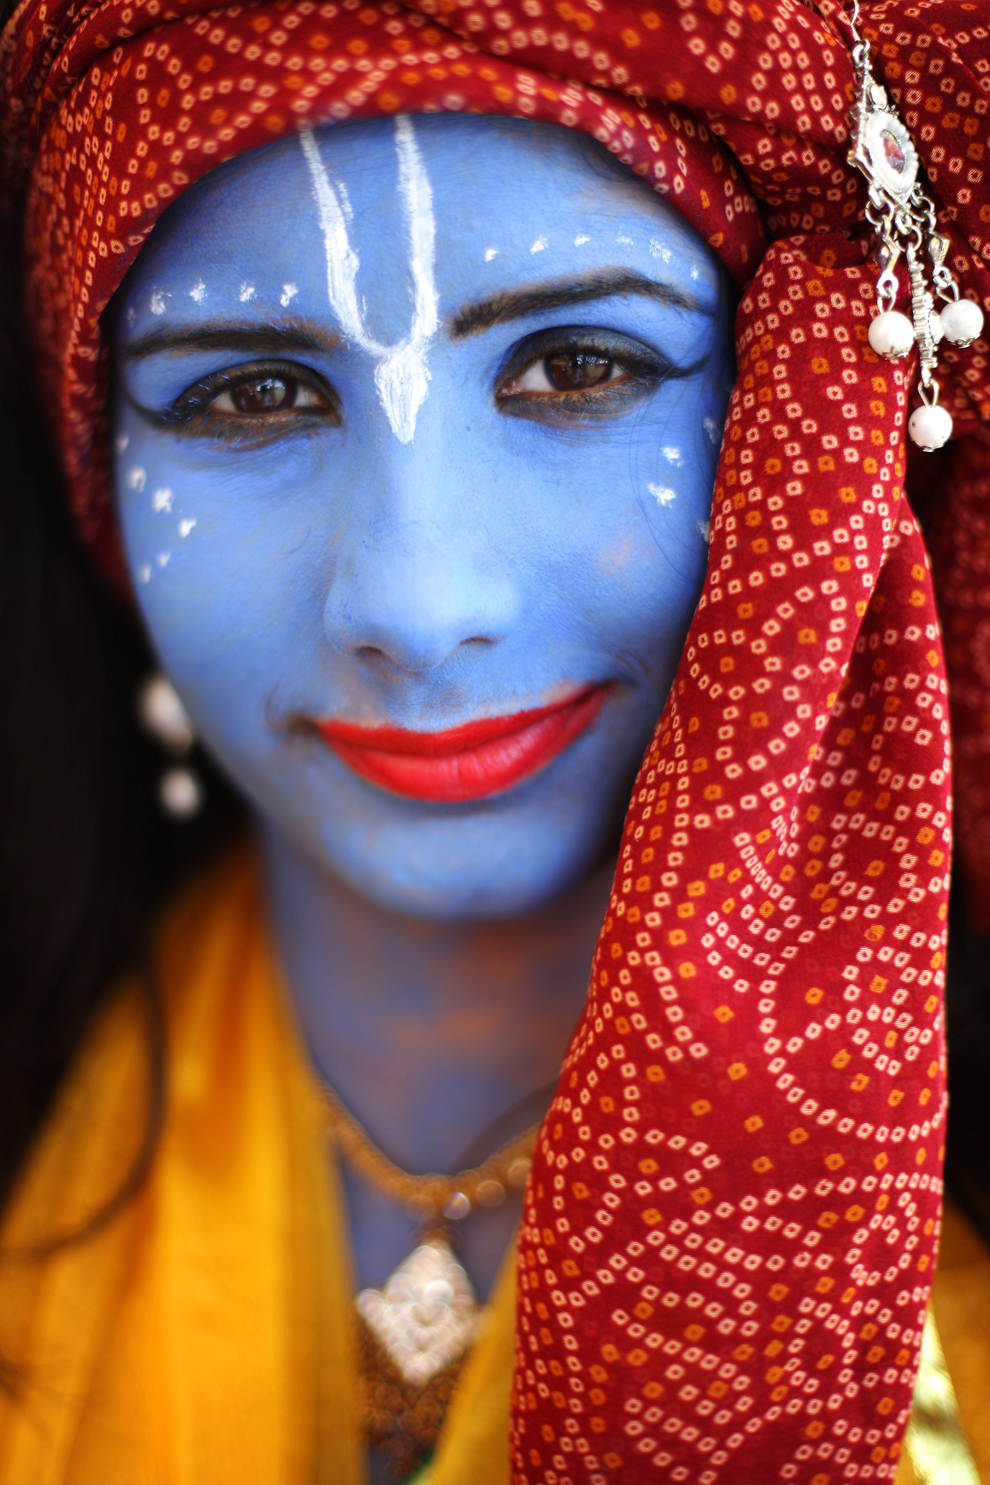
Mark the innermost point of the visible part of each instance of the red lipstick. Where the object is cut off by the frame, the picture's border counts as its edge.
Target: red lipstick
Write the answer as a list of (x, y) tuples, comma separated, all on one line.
[(468, 762)]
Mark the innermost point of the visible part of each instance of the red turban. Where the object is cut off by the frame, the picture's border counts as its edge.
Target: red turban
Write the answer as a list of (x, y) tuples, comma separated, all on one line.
[(730, 1227)]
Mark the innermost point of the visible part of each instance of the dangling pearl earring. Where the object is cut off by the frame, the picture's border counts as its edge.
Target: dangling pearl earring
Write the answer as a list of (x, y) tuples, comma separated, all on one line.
[(161, 713)]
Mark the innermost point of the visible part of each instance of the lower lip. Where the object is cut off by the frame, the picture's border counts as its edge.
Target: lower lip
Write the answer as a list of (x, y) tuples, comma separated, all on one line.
[(470, 762)]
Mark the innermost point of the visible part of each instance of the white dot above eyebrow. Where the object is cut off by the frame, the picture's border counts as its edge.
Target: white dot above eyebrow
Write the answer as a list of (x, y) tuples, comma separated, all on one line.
[(289, 292), (581, 239), (186, 526), (247, 292), (144, 573), (136, 478), (659, 250), (162, 500), (157, 302), (163, 558), (198, 292), (490, 253), (626, 241), (662, 494), (673, 456), (538, 245), (121, 441)]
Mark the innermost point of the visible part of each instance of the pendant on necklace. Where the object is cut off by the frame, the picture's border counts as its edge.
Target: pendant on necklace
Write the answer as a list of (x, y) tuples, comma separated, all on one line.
[(415, 1334), (426, 1315)]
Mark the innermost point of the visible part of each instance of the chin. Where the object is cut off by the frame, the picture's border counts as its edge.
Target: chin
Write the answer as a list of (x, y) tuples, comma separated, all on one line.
[(469, 869)]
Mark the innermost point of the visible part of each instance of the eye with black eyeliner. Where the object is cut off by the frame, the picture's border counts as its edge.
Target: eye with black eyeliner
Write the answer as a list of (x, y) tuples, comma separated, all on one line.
[(253, 402), (576, 372)]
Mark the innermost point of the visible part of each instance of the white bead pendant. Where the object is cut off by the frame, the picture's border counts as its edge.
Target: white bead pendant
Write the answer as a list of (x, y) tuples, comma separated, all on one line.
[(891, 334), (962, 321), (930, 427), (180, 793), (160, 712)]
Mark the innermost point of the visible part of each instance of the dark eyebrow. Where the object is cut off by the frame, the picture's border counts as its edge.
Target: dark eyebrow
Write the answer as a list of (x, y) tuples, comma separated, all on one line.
[(256, 340), (474, 318)]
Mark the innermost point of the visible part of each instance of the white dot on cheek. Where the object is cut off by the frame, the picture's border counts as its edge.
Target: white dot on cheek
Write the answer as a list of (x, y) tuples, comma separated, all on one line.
[(490, 253), (705, 527), (163, 558), (121, 441), (144, 573), (162, 500), (186, 526), (136, 478), (662, 494)]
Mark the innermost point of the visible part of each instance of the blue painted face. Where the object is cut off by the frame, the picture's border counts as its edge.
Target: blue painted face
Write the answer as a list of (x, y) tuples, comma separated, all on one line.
[(416, 425)]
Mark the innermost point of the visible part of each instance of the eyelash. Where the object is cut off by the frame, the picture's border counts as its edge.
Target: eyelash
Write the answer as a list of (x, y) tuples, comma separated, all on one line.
[(197, 413), (642, 371)]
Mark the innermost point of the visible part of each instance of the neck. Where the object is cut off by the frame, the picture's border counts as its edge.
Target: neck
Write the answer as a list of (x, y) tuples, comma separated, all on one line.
[(431, 1033)]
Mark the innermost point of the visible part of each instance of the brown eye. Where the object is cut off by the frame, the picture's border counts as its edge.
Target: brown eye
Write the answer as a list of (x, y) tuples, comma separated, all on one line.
[(577, 371), (264, 395)]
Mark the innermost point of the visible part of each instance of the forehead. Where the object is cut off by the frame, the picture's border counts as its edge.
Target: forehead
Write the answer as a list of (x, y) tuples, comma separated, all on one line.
[(524, 199)]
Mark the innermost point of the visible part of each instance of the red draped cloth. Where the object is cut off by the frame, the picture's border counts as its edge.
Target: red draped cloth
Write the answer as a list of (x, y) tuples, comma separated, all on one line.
[(730, 1226)]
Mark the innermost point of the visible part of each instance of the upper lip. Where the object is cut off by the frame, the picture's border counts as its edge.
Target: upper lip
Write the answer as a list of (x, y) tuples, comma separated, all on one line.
[(451, 741)]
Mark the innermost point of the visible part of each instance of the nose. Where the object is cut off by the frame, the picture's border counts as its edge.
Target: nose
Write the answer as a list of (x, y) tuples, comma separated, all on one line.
[(417, 578)]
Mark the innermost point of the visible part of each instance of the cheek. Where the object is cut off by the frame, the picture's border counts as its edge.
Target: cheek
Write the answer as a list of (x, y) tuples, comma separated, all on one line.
[(222, 592)]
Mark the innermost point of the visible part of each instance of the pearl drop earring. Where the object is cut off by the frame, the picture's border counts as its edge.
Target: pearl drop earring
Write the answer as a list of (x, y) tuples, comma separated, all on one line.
[(161, 713)]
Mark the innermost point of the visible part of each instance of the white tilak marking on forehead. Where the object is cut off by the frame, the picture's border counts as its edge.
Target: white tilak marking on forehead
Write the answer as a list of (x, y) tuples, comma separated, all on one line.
[(401, 372)]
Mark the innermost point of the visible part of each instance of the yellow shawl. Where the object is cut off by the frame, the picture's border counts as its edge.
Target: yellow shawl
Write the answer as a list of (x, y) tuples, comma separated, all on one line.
[(206, 1333)]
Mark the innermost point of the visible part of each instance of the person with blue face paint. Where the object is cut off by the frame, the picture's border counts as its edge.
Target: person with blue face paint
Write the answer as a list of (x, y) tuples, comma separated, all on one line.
[(414, 480), (414, 476), (387, 351)]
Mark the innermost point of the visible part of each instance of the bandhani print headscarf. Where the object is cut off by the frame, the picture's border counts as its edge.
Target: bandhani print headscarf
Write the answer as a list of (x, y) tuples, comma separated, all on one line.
[(731, 1222)]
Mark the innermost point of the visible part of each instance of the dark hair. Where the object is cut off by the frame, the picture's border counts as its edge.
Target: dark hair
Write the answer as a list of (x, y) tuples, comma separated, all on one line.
[(85, 856)]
